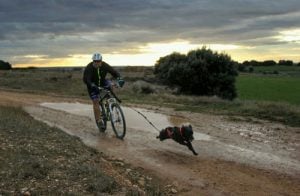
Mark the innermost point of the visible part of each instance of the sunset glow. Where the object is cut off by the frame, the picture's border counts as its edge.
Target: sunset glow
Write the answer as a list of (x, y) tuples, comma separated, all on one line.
[(290, 35), (145, 55)]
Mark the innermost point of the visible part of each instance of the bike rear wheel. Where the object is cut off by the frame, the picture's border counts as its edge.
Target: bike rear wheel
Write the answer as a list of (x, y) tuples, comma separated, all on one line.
[(118, 121)]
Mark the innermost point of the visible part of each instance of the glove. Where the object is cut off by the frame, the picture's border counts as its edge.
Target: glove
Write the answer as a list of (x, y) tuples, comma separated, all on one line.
[(121, 82), (107, 84), (95, 88)]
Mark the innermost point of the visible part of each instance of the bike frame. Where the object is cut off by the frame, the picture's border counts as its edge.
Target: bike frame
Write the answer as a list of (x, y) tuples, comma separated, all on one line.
[(108, 102)]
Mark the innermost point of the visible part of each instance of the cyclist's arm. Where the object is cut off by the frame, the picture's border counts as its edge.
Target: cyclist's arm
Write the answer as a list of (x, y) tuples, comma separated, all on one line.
[(112, 71), (87, 76)]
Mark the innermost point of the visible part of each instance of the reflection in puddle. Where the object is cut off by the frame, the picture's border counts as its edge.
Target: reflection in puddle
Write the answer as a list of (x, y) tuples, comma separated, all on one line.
[(133, 119), (201, 136)]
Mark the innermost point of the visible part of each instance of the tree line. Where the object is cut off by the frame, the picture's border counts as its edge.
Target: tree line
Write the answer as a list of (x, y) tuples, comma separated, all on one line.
[(247, 66), (270, 63)]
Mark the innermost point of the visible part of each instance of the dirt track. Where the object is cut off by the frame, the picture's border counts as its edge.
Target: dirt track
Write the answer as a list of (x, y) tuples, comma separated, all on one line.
[(235, 158)]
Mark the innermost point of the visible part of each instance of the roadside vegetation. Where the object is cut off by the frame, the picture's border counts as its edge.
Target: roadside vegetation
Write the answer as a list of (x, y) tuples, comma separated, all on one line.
[(5, 65), (263, 96)]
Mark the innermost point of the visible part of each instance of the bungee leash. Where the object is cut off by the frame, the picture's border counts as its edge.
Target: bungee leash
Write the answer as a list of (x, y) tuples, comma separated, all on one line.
[(146, 119)]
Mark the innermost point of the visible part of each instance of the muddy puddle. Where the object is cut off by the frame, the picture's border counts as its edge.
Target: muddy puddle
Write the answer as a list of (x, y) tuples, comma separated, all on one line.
[(134, 120), (141, 146)]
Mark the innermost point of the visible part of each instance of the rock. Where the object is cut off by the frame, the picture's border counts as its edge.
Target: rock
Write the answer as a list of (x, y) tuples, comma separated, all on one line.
[(141, 181), (26, 193), (128, 171), (128, 183), (173, 191), (120, 163), (148, 178), (23, 190)]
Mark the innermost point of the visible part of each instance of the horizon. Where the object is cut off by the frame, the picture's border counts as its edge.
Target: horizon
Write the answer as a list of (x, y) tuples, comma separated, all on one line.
[(134, 32)]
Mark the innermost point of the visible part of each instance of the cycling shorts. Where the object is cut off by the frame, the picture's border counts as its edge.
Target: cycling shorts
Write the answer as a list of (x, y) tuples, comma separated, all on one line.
[(94, 95)]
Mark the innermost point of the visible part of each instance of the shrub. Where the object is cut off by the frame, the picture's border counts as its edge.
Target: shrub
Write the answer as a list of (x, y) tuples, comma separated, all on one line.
[(4, 65), (241, 67), (251, 69), (142, 87), (200, 72)]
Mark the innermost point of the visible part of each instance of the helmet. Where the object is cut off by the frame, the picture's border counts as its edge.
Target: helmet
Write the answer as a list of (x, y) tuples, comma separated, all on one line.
[(97, 57)]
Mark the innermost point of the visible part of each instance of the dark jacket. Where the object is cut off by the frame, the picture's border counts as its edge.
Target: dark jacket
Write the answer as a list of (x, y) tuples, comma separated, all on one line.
[(92, 75)]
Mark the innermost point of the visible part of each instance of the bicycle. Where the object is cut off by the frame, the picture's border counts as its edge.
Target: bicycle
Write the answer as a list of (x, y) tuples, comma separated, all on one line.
[(112, 111)]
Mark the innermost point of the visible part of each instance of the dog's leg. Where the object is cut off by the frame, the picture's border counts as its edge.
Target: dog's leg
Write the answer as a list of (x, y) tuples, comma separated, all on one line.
[(189, 145)]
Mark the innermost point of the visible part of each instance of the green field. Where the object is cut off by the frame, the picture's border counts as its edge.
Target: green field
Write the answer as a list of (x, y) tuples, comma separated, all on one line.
[(269, 88), (281, 68), (278, 70)]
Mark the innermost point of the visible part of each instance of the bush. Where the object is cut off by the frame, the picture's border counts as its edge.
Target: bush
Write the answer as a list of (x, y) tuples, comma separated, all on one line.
[(241, 67), (200, 72), (4, 65), (251, 69), (142, 87)]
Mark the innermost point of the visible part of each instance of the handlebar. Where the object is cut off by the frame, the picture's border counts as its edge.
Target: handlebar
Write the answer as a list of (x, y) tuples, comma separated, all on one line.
[(109, 90)]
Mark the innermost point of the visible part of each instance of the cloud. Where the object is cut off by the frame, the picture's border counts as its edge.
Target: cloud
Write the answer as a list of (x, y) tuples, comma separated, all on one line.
[(59, 28)]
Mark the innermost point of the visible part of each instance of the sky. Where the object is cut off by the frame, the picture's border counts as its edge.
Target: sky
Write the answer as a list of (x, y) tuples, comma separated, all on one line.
[(138, 32)]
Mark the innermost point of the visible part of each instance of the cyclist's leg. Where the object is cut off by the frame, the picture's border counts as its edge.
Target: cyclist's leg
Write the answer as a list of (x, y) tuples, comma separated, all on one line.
[(96, 107)]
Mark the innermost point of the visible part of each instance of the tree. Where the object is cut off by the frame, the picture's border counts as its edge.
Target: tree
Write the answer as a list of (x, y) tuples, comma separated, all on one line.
[(166, 67), (255, 63), (4, 65), (286, 62), (200, 72), (268, 63)]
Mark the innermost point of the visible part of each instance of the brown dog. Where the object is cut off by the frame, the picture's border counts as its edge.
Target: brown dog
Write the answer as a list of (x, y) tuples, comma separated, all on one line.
[(183, 135)]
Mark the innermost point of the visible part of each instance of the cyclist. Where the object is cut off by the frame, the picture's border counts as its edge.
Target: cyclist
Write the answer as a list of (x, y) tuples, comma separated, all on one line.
[(94, 77)]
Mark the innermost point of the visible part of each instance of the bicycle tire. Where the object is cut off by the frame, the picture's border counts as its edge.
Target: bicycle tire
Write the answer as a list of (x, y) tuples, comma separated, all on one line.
[(117, 119)]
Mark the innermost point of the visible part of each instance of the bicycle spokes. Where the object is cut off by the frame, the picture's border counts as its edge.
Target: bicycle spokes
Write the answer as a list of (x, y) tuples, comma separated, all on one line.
[(118, 121)]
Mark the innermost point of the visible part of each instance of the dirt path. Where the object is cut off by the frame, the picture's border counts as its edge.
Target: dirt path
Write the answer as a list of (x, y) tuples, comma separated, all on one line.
[(235, 158)]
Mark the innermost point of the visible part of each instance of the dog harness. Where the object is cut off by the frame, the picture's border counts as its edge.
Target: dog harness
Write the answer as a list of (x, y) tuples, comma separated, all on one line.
[(171, 131)]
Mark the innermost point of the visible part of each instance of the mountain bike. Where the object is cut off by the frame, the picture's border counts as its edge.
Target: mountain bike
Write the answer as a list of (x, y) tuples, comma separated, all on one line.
[(112, 111)]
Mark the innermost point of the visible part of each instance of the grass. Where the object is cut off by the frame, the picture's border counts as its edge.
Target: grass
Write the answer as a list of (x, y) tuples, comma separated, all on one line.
[(269, 88), (279, 68), (293, 71), (43, 81)]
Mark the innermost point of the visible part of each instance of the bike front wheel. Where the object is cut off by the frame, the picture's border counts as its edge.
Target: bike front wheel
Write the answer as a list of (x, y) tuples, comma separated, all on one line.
[(118, 121)]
